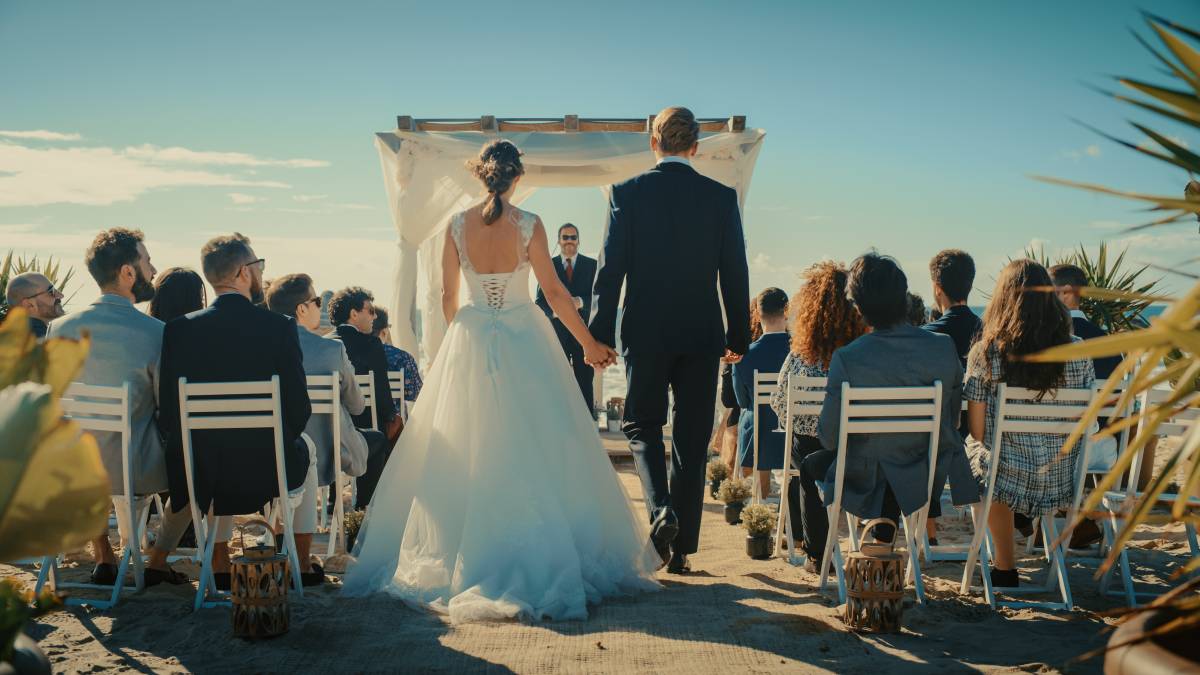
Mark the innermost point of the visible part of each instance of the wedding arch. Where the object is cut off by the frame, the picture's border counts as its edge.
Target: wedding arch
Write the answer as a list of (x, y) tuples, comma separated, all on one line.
[(425, 174)]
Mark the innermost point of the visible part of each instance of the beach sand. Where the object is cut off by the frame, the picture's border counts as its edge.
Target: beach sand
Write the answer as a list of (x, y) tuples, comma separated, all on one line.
[(732, 614)]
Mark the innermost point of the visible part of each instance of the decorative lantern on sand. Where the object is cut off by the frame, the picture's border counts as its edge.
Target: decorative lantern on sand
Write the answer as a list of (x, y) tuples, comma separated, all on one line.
[(259, 588), (874, 585)]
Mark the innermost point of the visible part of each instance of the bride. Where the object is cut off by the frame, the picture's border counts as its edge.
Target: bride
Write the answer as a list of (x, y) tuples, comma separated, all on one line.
[(499, 500)]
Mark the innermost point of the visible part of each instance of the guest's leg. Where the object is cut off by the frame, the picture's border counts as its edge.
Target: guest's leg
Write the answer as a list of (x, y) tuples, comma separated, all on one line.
[(935, 507), (1000, 524), (170, 531), (222, 530), (378, 452), (645, 416), (694, 384), (304, 515), (890, 510), (808, 513)]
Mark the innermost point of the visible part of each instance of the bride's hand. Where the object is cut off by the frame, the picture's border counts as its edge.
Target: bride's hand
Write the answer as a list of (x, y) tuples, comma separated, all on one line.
[(598, 355)]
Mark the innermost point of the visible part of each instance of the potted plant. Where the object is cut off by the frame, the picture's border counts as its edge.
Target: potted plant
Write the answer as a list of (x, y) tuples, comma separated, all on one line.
[(734, 492), (758, 519), (1160, 636), (53, 491), (614, 412), (717, 471)]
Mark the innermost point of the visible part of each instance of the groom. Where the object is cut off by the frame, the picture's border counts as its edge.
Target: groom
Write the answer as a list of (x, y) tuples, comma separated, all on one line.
[(673, 236)]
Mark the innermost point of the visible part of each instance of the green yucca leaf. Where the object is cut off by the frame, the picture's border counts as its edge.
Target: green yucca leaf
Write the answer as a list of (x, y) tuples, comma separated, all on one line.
[(1186, 103), (1187, 56)]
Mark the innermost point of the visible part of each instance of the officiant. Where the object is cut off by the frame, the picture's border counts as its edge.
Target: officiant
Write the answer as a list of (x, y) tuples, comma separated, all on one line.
[(578, 274)]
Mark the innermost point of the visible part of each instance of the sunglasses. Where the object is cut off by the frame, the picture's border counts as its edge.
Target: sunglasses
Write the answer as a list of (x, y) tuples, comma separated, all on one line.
[(49, 289), (315, 301), (261, 262), (569, 237)]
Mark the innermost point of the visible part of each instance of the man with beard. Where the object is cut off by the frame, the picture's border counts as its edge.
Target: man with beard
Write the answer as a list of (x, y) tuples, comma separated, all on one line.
[(235, 340), (125, 346), (39, 298)]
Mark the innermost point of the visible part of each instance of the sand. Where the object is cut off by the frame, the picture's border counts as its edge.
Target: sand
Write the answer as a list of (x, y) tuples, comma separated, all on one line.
[(732, 614)]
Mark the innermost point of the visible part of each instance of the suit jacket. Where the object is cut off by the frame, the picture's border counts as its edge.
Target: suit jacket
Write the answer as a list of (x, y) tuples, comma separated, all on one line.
[(324, 357), (962, 325), (233, 341), (766, 355), (580, 286), (903, 356), (125, 348), (1084, 329), (673, 235), (366, 354)]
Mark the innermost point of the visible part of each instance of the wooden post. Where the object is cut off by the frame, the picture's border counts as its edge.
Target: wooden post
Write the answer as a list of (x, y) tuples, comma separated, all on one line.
[(405, 123), (650, 123), (570, 123), (487, 124), (737, 123)]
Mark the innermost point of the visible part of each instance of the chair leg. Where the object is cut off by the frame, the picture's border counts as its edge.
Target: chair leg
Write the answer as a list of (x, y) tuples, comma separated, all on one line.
[(206, 538), (911, 525), (831, 543), (1058, 563)]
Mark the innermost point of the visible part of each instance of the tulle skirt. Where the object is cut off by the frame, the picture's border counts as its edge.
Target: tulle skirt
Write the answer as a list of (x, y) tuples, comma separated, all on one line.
[(499, 500)]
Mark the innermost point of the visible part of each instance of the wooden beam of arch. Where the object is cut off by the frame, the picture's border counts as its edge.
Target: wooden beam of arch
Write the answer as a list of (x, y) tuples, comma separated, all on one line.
[(568, 123)]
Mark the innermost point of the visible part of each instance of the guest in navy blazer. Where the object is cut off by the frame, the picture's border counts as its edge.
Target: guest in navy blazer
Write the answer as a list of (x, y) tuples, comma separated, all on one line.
[(953, 274), (578, 274), (766, 355), (1068, 279)]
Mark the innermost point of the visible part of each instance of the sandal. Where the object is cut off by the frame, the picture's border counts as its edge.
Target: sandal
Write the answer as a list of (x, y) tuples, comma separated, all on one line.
[(154, 577), (314, 578)]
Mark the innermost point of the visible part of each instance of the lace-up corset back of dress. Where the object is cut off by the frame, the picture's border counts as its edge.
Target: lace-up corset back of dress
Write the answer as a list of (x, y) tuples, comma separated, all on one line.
[(500, 290)]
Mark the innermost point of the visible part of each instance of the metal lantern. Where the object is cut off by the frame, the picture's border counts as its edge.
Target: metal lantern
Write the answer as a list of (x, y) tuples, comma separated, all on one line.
[(259, 588), (874, 585)]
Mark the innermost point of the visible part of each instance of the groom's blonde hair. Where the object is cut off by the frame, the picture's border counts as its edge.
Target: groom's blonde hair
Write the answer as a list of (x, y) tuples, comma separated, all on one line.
[(676, 130)]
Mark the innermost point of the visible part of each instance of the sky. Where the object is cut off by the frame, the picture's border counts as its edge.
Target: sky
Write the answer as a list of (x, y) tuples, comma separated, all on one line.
[(905, 127)]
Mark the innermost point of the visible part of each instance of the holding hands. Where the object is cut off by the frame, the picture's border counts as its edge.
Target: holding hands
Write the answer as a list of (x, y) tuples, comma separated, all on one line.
[(599, 355)]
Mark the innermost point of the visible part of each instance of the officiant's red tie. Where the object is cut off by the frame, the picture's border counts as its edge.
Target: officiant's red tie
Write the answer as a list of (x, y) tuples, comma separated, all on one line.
[(570, 270)]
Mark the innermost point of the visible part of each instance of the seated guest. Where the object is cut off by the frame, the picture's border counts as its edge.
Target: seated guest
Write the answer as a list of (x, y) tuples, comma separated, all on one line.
[(232, 340), (765, 355), (1068, 282), (364, 451), (823, 319), (917, 316), (40, 299), (397, 359), (352, 312), (953, 274), (1021, 319), (125, 345), (177, 291), (886, 474)]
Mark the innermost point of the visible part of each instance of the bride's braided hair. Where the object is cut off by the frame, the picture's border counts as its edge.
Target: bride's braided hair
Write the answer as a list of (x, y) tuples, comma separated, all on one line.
[(499, 164)]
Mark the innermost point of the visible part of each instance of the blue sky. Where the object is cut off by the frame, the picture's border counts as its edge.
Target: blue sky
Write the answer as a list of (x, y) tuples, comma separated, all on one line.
[(908, 127)]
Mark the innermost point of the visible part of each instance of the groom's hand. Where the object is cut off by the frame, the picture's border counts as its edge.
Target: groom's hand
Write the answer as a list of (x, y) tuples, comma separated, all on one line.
[(606, 357), (730, 357)]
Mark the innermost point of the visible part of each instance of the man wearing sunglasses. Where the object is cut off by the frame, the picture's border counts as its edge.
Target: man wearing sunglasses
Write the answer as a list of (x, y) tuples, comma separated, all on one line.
[(578, 273), (38, 297)]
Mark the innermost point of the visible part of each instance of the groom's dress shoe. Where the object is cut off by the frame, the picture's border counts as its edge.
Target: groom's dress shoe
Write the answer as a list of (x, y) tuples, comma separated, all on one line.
[(679, 564), (663, 531)]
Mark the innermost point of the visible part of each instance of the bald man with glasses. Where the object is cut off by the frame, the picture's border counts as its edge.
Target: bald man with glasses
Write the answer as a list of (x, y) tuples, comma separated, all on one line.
[(35, 294)]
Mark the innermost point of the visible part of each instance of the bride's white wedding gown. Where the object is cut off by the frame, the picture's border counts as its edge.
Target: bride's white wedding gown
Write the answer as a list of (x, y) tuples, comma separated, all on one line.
[(499, 500)]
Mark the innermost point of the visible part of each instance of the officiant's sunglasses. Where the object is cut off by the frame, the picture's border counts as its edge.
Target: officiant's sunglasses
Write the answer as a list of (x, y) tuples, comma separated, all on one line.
[(569, 237)]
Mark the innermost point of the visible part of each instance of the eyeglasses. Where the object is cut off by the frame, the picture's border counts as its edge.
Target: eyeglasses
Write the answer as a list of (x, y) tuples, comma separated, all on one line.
[(316, 301), (261, 262), (569, 237), (49, 289)]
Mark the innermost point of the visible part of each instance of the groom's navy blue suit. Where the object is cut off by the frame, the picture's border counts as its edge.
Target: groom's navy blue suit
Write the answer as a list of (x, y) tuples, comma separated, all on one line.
[(673, 237)]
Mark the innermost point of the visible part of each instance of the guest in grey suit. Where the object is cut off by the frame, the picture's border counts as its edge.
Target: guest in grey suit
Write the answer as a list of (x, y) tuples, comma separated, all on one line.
[(363, 450), (886, 474), (125, 346)]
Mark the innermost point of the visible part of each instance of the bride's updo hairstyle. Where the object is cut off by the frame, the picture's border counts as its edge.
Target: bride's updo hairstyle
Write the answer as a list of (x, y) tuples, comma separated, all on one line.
[(498, 166)]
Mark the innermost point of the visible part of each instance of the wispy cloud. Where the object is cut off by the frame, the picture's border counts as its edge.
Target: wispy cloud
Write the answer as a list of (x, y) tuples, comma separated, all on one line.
[(41, 135), (308, 198), (36, 176), (178, 155), (239, 198), (1092, 151)]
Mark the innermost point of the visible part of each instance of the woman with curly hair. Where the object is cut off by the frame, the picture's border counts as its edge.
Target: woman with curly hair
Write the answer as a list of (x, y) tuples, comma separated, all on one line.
[(1024, 317), (823, 319)]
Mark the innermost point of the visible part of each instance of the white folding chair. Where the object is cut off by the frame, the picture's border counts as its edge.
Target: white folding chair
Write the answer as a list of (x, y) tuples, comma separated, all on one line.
[(1018, 410), (224, 406), (1178, 426), (98, 408), (367, 384), (805, 397), (396, 383), (884, 410), (324, 393), (764, 385)]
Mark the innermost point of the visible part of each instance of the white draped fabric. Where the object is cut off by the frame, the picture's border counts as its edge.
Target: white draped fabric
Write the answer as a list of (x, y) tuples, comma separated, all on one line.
[(427, 181)]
